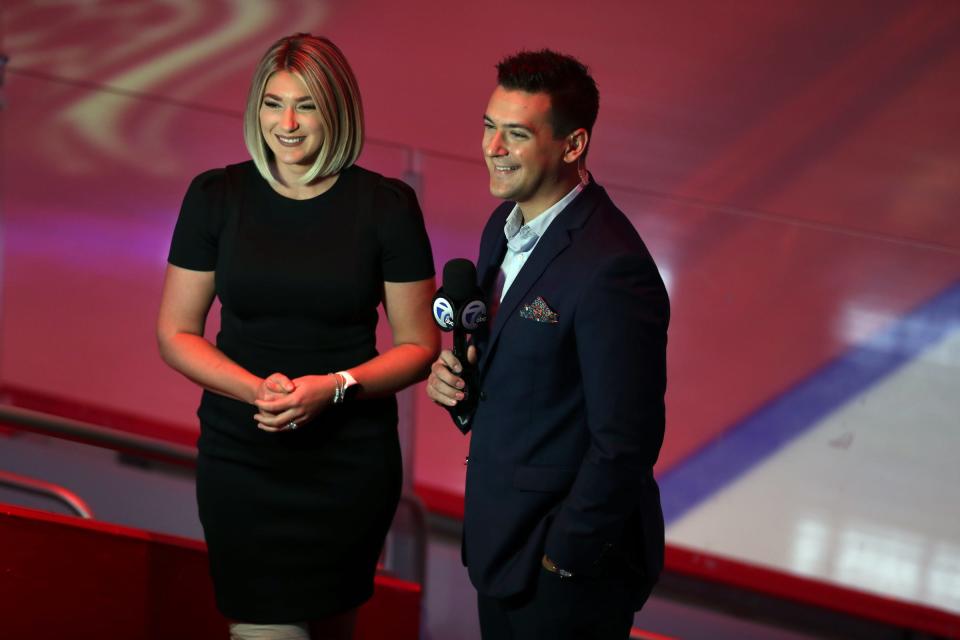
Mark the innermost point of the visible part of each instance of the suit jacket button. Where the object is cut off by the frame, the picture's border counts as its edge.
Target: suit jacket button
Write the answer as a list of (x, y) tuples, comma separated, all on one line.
[(483, 395), (466, 460)]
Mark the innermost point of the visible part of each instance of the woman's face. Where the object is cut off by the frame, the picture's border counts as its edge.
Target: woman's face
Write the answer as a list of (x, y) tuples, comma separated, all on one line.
[(290, 123)]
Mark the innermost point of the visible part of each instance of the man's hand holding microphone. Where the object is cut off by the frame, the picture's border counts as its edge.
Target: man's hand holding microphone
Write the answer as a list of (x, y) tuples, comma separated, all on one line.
[(458, 307)]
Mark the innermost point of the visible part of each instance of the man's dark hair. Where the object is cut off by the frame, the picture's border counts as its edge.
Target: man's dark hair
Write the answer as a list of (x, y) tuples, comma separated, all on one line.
[(574, 99)]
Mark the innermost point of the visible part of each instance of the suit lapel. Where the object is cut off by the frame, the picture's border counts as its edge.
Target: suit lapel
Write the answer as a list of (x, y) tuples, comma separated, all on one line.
[(554, 241), (491, 255)]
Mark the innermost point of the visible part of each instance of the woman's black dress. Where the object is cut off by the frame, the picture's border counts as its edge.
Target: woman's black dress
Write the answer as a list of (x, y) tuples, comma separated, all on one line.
[(294, 521)]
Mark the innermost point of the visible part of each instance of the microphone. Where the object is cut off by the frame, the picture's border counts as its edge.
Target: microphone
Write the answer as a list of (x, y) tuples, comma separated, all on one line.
[(458, 306)]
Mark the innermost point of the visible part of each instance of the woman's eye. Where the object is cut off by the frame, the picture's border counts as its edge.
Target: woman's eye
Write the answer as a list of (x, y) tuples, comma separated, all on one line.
[(271, 104), (308, 107)]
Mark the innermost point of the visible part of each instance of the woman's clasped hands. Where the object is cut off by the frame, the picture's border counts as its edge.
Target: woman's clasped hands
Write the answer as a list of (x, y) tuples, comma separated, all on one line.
[(285, 404)]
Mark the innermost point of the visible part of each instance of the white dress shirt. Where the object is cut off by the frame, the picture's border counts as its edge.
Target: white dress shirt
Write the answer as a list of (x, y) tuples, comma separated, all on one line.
[(522, 238)]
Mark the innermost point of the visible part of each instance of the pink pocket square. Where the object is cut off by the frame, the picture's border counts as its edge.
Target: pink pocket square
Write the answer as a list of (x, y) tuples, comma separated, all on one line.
[(539, 311)]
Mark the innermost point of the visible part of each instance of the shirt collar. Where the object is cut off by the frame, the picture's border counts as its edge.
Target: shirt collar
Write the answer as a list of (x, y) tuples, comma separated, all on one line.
[(522, 237)]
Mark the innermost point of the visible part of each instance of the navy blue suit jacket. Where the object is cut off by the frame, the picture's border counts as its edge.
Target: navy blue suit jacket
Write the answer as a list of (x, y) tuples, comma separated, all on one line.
[(570, 417)]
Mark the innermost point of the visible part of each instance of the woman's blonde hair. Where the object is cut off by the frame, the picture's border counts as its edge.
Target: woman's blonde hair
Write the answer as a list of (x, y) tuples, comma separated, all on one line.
[(324, 70)]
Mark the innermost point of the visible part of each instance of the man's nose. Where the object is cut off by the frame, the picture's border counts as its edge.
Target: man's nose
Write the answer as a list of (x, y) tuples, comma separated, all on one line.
[(494, 146)]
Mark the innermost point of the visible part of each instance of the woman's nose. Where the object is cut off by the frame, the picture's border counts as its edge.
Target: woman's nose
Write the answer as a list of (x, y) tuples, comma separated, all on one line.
[(289, 120)]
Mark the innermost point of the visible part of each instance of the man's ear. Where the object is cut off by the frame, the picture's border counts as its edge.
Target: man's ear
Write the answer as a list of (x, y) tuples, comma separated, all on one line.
[(577, 141)]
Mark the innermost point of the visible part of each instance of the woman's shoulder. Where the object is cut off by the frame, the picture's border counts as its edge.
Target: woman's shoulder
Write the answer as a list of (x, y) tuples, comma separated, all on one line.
[(213, 185), (209, 192), (389, 194), (209, 179), (401, 232), (217, 178), (205, 192)]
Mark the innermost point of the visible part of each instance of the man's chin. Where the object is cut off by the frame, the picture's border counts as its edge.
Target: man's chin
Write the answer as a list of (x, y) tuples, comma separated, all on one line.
[(501, 191)]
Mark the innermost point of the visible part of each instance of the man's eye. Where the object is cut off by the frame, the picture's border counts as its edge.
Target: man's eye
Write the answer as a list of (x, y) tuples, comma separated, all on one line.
[(519, 136)]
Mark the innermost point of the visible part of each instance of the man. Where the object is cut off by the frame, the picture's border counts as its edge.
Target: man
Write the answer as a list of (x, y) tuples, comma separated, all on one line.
[(563, 531)]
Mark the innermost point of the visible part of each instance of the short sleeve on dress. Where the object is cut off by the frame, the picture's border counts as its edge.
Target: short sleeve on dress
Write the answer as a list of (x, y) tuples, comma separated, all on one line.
[(197, 234), (406, 254)]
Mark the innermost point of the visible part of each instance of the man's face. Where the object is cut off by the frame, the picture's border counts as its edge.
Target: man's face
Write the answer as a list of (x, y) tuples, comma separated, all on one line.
[(523, 158)]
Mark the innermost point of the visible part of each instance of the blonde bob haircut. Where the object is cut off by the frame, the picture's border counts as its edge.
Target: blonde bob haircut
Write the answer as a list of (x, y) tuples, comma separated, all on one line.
[(324, 70)]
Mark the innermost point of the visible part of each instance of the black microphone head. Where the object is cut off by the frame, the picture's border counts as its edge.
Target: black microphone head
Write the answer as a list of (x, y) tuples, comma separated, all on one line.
[(459, 279)]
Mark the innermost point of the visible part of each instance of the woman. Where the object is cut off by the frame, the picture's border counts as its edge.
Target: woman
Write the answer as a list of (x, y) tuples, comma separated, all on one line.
[(299, 472)]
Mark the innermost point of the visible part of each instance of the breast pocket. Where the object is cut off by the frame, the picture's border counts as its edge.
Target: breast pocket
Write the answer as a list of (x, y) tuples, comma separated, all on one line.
[(533, 340)]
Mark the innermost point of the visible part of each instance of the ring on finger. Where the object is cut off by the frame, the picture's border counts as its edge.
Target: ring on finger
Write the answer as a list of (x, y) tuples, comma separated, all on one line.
[(290, 426)]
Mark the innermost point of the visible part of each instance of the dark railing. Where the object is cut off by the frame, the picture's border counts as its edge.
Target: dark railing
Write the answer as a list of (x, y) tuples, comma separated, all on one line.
[(48, 490)]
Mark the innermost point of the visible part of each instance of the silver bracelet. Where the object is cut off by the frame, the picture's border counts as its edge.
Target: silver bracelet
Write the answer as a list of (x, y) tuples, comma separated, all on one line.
[(338, 393)]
